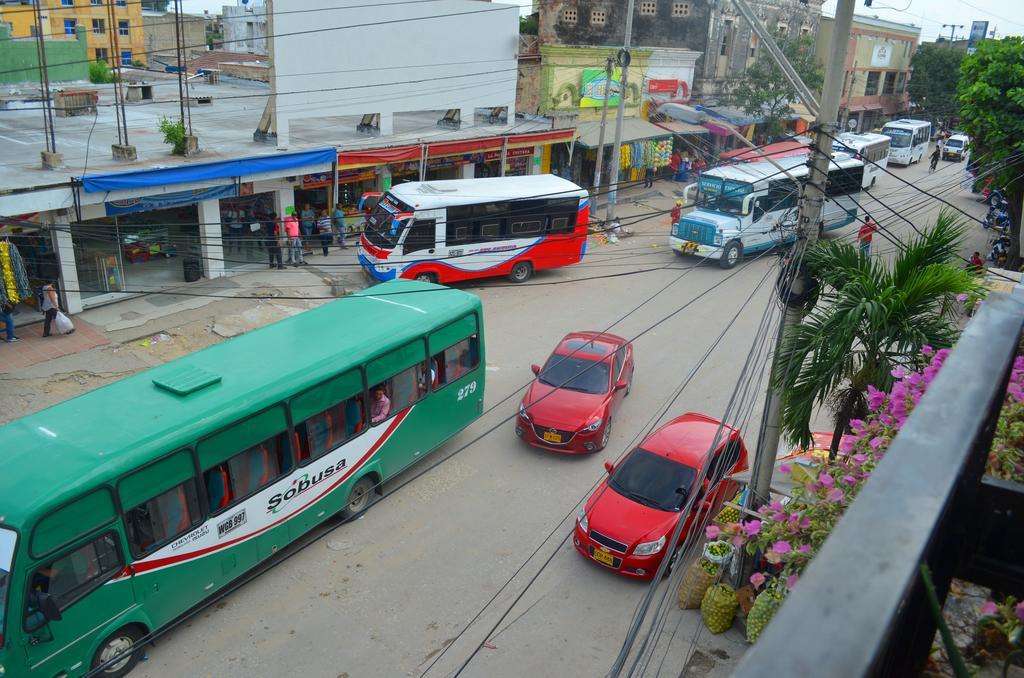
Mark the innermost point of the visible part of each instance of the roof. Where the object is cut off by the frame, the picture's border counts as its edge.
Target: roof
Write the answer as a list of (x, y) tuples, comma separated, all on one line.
[(755, 171), (214, 58), (590, 343), (633, 129), (687, 438), (434, 194), (781, 149), (906, 122), (101, 435), (680, 127)]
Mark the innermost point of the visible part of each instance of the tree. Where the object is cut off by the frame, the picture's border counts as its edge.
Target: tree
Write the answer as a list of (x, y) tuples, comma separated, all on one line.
[(528, 25), (764, 89), (871, 317), (991, 98), (932, 86)]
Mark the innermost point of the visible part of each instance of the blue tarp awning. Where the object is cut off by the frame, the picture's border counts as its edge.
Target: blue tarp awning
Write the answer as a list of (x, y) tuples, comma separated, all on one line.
[(733, 116), (206, 171)]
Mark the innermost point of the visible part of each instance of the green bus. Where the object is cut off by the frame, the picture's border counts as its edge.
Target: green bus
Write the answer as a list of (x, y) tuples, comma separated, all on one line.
[(124, 508)]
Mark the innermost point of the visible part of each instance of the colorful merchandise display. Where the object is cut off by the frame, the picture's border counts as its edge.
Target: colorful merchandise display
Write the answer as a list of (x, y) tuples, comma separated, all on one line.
[(15, 285), (639, 155)]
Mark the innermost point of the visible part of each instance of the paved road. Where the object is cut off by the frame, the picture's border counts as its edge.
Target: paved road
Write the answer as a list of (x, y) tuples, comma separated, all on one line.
[(384, 595)]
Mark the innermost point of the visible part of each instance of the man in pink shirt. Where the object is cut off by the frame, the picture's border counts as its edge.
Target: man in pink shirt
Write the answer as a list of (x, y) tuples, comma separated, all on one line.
[(291, 228), (380, 408)]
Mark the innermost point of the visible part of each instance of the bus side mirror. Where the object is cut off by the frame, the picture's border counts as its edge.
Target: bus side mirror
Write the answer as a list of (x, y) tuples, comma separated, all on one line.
[(48, 606)]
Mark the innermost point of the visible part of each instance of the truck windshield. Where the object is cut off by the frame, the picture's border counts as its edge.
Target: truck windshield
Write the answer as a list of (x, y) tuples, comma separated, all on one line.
[(722, 195), (7, 541), (900, 137), (383, 225)]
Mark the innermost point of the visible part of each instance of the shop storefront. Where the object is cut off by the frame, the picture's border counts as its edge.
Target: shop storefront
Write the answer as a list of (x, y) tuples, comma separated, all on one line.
[(243, 234), (28, 261)]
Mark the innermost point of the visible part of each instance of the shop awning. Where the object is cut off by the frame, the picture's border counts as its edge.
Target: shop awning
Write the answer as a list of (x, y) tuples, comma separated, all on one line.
[(541, 138), (802, 113), (720, 128), (464, 146), (206, 171), (377, 156), (781, 149), (633, 129), (733, 116), (679, 127)]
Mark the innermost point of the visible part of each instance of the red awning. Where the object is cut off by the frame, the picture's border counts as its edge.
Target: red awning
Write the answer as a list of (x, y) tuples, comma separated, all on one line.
[(463, 146), (379, 156)]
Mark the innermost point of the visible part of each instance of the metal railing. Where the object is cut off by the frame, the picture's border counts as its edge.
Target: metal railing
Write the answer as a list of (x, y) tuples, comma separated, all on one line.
[(860, 607)]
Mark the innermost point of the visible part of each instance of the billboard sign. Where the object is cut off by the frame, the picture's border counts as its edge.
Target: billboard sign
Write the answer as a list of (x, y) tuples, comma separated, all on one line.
[(881, 56), (978, 31), (593, 86)]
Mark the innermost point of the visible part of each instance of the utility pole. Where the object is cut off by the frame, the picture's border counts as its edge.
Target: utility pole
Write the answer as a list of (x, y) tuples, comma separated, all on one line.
[(604, 119), (807, 233), (952, 30), (613, 171), (50, 157)]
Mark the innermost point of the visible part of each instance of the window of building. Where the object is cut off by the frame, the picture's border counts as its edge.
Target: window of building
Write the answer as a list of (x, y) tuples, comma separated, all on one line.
[(680, 9), (96, 2), (166, 516), (122, 28), (99, 26), (121, 3), (782, 27), (69, 26), (901, 82), (102, 54), (871, 84), (67, 3), (648, 8), (889, 84), (126, 57), (450, 364), (754, 41), (71, 577), (805, 30), (598, 17), (723, 49), (569, 16)]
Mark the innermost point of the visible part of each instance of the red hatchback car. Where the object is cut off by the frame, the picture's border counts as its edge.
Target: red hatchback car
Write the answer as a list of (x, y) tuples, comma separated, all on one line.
[(625, 524), (570, 405)]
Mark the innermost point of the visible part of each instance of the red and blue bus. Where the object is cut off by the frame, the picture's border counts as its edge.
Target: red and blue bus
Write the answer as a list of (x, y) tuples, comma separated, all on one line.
[(449, 231)]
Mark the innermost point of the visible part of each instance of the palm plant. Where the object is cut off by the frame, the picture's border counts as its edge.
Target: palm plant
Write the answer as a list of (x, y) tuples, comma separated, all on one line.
[(871, 317)]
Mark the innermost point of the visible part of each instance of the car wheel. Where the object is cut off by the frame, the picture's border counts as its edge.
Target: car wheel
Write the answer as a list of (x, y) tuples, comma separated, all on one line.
[(731, 254), (873, 180), (426, 277), (606, 436), (521, 272), (360, 497), (629, 385), (118, 643)]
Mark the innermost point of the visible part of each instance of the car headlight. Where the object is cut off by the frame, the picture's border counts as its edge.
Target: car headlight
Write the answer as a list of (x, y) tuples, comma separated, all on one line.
[(522, 412), (581, 518), (649, 548), (592, 426)]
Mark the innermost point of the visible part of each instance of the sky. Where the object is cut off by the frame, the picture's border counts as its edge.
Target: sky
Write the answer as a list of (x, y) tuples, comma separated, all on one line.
[(1007, 18)]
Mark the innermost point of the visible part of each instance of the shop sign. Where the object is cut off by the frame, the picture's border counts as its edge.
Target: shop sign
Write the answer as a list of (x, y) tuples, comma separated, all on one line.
[(669, 86), (323, 179), (881, 56), (979, 29), (156, 202), (594, 86)]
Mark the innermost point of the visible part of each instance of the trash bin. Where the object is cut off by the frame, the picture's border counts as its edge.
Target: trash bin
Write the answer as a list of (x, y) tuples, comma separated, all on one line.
[(192, 268)]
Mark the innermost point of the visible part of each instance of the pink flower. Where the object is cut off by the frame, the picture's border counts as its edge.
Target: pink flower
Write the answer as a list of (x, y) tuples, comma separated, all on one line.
[(757, 579), (961, 297), (989, 609), (898, 372), (849, 480), (784, 468), (834, 495), (927, 350), (825, 479), (781, 547), (791, 581), (737, 541), (712, 531), (775, 505), (753, 528), (877, 442), (860, 458), (847, 444), (804, 548), (1019, 610)]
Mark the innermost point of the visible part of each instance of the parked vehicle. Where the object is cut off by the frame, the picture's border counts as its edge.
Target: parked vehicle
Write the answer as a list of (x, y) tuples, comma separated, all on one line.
[(571, 404), (910, 140), (449, 231), (627, 521), (955, 147), (872, 148), (750, 207)]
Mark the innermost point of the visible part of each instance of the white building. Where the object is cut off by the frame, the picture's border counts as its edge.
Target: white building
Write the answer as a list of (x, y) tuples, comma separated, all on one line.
[(245, 27)]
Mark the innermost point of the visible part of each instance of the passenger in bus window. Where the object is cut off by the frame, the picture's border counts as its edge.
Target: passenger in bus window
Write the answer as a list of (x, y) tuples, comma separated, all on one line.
[(380, 408)]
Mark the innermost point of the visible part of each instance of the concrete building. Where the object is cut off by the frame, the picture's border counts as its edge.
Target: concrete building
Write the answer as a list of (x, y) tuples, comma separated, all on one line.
[(160, 38), (63, 17), (877, 69), (66, 57), (245, 27)]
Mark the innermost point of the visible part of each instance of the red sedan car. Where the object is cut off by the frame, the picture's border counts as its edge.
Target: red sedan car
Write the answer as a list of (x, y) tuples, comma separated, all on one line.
[(626, 523), (570, 405)]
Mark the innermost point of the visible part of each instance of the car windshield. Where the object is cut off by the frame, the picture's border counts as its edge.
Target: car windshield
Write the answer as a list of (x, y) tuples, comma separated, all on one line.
[(576, 373), (954, 143), (900, 137), (7, 540), (653, 480), (382, 228)]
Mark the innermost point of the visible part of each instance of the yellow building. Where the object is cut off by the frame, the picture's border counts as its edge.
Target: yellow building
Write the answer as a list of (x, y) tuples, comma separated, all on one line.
[(61, 17)]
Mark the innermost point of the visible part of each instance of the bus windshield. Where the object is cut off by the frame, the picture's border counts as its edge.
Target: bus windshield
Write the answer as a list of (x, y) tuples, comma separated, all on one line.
[(7, 539), (900, 137), (383, 225), (722, 195)]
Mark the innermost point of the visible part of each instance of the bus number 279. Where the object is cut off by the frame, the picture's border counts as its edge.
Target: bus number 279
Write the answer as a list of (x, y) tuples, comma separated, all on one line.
[(467, 390)]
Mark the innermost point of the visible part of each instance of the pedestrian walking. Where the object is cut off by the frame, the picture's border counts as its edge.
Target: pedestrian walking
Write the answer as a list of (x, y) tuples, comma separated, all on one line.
[(864, 235), (50, 307), (323, 227), (291, 228), (339, 225), (677, 212), (272, 239), (649, 177), (7, 315)]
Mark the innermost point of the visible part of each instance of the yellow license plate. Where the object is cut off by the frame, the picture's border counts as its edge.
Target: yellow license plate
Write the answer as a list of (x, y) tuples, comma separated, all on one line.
[(602, 557), (688, 247), (552, 437)]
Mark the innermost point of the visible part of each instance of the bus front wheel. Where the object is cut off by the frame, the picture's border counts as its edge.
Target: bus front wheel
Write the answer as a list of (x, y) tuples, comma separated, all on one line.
[(731, 254), (121, 651), (521, 272), (427, 277), (359, 497)]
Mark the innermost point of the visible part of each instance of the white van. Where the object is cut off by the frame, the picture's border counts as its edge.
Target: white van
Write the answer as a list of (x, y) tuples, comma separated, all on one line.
[(955, 147)]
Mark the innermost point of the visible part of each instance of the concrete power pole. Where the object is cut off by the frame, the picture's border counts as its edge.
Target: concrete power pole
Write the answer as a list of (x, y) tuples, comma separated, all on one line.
[(604, 120), (613, 171), (807, 229)]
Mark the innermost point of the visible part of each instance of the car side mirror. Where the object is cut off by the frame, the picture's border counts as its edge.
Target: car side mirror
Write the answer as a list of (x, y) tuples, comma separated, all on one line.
[(610, 467), (535, 368), (48, 606)]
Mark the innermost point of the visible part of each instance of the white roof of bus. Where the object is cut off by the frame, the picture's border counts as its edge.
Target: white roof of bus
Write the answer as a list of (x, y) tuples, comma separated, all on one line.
[(436, 194), (758, 171), (906, 122), (862, 138)]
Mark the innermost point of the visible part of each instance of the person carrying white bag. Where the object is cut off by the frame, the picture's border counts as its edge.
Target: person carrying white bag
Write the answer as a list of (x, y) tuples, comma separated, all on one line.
[(53, 314)]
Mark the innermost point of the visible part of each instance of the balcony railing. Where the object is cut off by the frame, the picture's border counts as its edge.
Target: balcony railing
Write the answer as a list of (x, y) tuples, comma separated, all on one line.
[(860, 608)]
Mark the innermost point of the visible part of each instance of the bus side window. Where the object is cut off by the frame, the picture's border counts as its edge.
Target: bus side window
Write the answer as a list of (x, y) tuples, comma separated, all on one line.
[(164, 517), (251, 469), (421, 236), (455, 361), (326, 430)]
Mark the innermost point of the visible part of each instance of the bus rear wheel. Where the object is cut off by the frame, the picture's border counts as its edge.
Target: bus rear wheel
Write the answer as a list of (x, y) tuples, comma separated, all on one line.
[(731, 254), (427, 277), (119, 643), (360, 497), (521, 272)]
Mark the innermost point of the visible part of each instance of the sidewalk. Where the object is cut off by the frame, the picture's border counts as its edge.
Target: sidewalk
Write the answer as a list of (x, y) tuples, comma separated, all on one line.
[(34, 348)]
